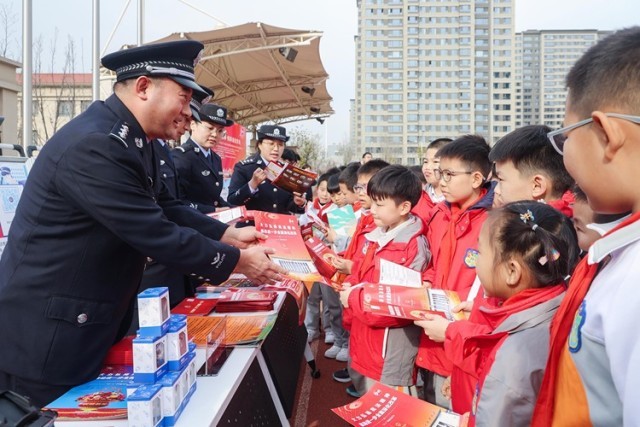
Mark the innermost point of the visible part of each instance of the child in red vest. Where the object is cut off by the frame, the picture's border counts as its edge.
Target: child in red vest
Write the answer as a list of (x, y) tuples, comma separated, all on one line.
[(384, 348), (453, 239), (431, 193)]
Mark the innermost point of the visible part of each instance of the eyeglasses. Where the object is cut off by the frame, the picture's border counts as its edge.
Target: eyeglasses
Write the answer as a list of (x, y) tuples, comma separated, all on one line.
[(560, 136), (447, 174), (360, 187)]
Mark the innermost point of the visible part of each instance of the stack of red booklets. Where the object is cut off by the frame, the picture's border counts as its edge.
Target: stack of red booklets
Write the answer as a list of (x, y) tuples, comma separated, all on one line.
[(195, 306), (121, 353), (245, 300)]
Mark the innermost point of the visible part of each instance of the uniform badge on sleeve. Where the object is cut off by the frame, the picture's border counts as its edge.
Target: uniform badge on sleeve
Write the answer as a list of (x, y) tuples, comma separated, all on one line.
[(471, 258)]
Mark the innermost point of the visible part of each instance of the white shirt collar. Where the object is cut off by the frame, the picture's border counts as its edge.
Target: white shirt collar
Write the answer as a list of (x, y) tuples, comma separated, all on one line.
[(614, 241), (382, 238), (205, 151)]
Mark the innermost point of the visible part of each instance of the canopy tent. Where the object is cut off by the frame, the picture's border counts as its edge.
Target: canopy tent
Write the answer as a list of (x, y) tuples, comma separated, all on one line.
[(263, 73)]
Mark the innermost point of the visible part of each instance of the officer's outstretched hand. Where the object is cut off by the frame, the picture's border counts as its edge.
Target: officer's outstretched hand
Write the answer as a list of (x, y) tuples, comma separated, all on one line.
[(258, 176), (256, 265), (242, 238)]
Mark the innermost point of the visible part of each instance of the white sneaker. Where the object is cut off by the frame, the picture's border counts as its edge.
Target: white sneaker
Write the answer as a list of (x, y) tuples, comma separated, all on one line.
[(312, 335), (329, 338), (343, 354), (332, 352)]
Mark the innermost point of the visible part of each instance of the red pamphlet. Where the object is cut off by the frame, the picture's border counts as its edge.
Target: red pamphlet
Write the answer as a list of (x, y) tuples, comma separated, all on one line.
[(195, 306), (322, 257)]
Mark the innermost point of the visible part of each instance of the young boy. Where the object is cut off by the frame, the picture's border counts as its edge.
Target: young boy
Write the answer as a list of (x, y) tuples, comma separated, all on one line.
[(453, 238), (528, 168), (431, 194), (384, 348), (593, 370)]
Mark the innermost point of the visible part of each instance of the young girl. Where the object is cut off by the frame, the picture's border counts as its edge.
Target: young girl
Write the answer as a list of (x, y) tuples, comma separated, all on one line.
[(527, 250)]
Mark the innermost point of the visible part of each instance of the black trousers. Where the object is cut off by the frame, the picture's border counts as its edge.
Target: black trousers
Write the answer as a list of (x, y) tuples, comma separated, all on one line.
[(39, 394)]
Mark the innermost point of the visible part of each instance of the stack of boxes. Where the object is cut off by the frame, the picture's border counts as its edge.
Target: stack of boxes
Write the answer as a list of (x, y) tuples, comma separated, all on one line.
[(164, 371)]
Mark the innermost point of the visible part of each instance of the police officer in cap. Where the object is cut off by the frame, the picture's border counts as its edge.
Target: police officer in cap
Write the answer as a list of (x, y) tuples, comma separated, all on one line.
[(249, 185), (94, 207), (199, 166), (168, 169), (155, 273)]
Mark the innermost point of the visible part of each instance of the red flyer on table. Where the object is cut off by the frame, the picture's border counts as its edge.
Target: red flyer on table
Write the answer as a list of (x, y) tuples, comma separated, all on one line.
[(290, 251), (195, 306), (385, 406)]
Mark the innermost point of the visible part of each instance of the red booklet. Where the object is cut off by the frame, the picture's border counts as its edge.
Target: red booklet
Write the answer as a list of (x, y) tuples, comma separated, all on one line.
[(121, 353), (295, 288), (410, 303), (243, 300), (386, 406), (195, 306), (290, 251), (322, 257), (290, 178)]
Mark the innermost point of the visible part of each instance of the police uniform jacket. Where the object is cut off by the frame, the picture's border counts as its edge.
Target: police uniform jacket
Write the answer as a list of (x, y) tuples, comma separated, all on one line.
[(168, 171), (201, 180), (92, 208), (268, 198)]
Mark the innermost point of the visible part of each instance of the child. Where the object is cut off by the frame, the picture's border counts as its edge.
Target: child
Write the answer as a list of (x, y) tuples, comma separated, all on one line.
[(384, 348), (526, 250), (357, 243), (347, 180), (431, 194), (528, 168), (315, 213), (589, 225), (453, 237), (593, 370)]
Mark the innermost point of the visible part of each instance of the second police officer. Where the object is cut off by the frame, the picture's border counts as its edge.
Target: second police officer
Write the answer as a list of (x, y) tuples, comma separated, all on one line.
[(199, 166)]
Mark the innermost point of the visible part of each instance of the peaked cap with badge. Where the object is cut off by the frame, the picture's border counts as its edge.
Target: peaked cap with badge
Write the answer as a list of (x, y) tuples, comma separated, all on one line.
[(175, 60), (216, 114), (95, 210), (272, 132)]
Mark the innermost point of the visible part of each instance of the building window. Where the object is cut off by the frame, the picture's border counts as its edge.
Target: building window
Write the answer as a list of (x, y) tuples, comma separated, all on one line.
[(65, 108)]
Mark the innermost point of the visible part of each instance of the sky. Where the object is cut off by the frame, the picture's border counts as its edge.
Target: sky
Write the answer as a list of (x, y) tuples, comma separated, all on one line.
[(337, 19)]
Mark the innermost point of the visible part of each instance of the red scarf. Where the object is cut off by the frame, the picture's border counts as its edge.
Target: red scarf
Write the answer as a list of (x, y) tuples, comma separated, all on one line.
[(564, 204), (561, 327), (322, 209)]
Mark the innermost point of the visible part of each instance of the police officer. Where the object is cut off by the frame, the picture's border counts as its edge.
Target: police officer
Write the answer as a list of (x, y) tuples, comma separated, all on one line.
[(168, 170), (199, 166), (94, 206), (249, 185), (155, 273)]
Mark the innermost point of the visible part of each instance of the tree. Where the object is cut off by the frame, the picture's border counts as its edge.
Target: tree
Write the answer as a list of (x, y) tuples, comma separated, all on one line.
[(347, 152), (308, 147), (8, 39)]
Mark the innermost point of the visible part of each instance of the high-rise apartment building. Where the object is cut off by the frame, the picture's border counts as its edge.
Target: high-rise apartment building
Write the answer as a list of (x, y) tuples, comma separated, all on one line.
[(430, 69), (543, 58)]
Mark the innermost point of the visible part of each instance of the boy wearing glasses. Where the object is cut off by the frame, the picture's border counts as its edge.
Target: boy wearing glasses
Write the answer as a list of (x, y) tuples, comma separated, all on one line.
[(593, 369), (199, 167), (453, 238)]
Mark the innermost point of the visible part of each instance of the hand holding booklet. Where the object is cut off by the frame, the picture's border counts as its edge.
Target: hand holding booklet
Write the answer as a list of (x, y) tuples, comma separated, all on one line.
[(289, 177), (400, 294)]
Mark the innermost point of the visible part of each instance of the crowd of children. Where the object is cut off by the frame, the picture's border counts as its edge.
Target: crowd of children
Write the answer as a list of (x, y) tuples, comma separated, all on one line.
[(546, 270)]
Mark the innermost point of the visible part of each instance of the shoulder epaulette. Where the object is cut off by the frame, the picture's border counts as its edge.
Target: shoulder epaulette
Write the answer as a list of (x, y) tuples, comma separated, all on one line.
[(120, 132), (184, 148), (248, 161)]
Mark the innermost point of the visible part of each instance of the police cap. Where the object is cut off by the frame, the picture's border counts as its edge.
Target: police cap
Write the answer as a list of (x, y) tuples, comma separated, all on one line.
[(215, 114), (175, 60), (272, 132)]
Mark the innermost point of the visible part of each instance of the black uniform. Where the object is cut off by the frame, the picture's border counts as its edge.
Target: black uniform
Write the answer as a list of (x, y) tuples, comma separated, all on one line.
[(200, 177), (268, 198), (93, 208), (168, 170)]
